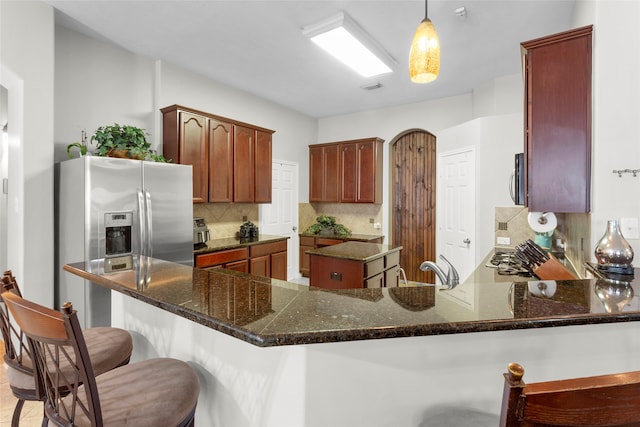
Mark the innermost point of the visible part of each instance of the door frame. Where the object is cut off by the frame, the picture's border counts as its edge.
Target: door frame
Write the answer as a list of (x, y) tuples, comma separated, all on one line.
[(293, 243), (441, 204)]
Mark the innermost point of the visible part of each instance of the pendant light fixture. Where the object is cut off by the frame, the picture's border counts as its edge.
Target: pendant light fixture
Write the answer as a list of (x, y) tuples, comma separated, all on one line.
[(424, 59)]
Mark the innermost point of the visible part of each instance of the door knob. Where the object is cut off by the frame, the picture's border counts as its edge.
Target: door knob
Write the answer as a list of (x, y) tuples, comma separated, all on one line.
[(294, 228), (467, 241)]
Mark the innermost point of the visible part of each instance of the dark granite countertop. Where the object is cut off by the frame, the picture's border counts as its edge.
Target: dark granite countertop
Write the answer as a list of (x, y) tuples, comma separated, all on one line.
[(352, 237), (215, 245), (268, 312), (356, 251)]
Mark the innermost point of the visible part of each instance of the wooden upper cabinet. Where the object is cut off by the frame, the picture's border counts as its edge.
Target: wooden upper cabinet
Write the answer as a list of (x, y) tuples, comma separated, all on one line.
[(243, 164), (185, 142), (324, 173), (262, 167), (220, 161), (346, 172), (558, 121), (231, 160)]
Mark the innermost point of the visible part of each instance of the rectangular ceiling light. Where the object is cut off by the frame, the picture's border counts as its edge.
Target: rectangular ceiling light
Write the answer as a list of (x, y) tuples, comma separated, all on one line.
[(350, 44)]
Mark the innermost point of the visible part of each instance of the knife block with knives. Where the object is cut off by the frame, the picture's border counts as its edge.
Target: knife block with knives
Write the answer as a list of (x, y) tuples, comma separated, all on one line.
[(542, 264)]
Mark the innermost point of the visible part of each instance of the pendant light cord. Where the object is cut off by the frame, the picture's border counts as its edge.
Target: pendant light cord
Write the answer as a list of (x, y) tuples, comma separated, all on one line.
[(426, 9)]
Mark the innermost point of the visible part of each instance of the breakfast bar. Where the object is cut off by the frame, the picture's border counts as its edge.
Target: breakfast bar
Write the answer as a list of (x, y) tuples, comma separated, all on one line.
[(274, 353)]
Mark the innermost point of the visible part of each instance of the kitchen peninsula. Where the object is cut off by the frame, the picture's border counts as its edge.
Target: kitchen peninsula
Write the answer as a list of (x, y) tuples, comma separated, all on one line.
[(273, 353)]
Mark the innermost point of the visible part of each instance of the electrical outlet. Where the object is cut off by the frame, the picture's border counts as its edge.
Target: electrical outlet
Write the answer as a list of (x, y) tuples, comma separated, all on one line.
[(629, 228), (504, 240), (377, 226)]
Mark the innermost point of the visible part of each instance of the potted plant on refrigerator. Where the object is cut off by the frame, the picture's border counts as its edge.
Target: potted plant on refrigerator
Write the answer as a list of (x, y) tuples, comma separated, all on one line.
[(124, 141)]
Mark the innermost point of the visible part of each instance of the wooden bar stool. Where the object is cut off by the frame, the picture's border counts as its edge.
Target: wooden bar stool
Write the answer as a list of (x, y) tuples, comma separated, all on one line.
[(108, 348), (605, 400), (156, 392)]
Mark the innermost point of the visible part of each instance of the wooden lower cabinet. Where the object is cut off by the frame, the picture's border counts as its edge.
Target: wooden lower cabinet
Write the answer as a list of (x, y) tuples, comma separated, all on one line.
[(308, 243), (264, 259), (340, 273)]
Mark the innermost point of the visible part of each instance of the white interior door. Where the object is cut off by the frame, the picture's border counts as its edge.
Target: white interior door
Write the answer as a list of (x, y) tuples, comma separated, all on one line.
[(456, 209), (280, 218)]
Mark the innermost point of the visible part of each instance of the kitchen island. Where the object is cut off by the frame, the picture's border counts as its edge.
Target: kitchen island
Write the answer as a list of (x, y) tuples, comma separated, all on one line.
[(354, 265), (273, 353)]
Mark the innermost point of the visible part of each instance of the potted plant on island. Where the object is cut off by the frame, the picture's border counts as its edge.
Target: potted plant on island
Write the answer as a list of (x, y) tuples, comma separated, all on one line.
[(326, 226), (123, 141)]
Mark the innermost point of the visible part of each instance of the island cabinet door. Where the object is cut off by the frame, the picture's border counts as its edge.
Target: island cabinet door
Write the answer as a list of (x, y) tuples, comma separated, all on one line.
[(336, 273)]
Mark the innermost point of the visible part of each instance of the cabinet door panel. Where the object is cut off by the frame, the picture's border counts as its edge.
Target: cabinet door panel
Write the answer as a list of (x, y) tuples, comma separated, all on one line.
[(316, 173), (332, 173), (279, 266), (262, 168), (304, 260), (242, 266), (366, 172), (194, 152), (220, 162), (558, 122), (348, 172), (243, 164), (260, 266)]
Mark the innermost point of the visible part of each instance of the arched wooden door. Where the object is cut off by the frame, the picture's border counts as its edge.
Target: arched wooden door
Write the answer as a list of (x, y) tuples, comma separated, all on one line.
[(413, 201)]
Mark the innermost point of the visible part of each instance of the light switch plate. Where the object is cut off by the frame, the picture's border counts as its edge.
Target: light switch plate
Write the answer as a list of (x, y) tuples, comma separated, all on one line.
[(629, 228)]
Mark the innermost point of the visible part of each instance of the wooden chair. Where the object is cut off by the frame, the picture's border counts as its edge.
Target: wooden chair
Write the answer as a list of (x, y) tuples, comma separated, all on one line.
[(156, 392), (605, 400), (108, 348)]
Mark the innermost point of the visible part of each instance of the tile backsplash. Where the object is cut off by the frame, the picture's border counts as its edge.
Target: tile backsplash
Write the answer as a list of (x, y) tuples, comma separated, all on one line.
[(355, 216), (225, 219), (573, 231)]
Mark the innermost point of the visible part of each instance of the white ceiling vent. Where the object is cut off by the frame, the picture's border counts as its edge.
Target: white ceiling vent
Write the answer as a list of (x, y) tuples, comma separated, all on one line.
[(372, 86)]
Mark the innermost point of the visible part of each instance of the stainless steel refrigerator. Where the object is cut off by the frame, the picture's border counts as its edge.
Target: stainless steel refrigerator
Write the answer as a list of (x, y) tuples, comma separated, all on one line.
[(112, 211)]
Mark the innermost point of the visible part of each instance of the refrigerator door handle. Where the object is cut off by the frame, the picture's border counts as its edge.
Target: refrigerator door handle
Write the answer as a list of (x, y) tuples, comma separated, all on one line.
[(143, 226), (149, 224)]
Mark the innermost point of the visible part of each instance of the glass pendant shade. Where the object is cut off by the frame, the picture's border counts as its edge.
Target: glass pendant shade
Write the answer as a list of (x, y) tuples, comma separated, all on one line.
[(424, 59)]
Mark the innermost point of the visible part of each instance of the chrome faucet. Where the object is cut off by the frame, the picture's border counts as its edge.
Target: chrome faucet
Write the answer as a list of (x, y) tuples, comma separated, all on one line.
[(451, 280)]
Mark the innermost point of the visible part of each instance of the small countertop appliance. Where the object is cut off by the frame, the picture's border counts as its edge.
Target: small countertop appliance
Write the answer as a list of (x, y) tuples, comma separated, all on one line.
[(200, 232)]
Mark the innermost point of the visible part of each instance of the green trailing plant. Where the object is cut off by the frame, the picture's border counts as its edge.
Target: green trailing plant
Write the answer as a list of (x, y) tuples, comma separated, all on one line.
[(328, 223)]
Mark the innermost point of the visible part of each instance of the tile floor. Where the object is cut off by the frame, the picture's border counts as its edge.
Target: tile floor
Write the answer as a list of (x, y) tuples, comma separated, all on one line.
[(31, 412)]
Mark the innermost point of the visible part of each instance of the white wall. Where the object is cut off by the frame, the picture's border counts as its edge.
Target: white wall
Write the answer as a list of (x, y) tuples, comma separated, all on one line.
[(98, 83), (616, 111), (294, 131), (496, 140), (27, 71)]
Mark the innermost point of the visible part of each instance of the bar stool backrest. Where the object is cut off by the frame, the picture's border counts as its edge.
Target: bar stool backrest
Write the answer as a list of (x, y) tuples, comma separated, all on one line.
[(605, 400), (60, 357)]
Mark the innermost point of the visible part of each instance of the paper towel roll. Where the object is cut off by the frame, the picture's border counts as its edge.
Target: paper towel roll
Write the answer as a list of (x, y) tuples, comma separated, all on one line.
[(548, 219)]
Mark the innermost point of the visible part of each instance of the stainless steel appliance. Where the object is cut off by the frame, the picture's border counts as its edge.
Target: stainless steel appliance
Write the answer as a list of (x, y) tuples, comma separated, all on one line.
[(200, 232), (113, 210), (516, 185)]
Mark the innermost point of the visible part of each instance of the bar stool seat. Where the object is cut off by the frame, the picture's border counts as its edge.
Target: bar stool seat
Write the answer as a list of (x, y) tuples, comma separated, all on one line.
[(107, 347), (156, 392)]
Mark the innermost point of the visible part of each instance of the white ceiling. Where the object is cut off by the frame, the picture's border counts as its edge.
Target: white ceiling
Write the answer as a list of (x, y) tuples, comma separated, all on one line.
[(257, 46)]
